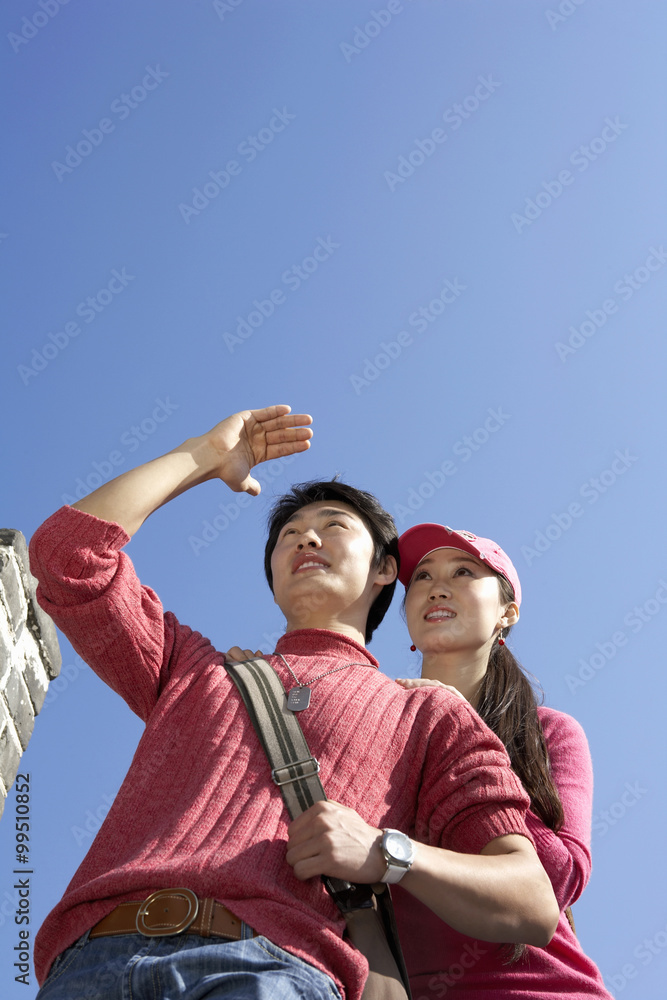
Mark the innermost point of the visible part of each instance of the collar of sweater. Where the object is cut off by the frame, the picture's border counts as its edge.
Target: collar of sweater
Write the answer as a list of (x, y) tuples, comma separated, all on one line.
[(322, 642)]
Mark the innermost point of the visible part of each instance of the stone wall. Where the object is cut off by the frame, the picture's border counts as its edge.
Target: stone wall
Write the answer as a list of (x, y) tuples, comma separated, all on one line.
[(29, 655)]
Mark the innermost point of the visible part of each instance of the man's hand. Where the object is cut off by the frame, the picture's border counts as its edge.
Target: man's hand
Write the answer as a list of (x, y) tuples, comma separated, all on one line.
[(252, 436), (229, 452), (330, 839)]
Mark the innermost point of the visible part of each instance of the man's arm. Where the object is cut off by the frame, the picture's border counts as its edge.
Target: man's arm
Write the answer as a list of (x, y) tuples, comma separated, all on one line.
[(502, 894), (228, 451), (89, 586)]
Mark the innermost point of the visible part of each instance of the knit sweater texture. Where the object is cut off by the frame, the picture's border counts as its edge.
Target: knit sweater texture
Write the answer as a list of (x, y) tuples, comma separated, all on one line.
[(198, 807), (442, 962)]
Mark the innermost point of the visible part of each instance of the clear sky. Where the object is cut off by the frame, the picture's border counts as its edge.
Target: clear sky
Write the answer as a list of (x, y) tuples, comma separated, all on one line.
[(440, 229)]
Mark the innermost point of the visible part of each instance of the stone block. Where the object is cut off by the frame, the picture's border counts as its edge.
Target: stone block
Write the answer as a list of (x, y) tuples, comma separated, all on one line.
[(13, 590), (36, 681), (29, 655), (41, 626), (10, 748), (7, 648), (20, 706)]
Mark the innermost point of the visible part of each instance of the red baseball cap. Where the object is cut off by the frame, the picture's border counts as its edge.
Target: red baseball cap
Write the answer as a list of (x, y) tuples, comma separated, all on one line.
[(417, 542)]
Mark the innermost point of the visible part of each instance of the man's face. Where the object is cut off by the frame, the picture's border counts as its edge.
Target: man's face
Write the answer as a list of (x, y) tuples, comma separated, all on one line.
[(321, 567)]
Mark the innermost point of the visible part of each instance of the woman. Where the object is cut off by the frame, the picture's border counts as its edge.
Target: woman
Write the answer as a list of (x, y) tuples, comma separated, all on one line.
[(462, 598)]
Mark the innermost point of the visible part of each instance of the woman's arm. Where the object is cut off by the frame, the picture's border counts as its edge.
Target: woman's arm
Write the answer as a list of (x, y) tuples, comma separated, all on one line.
[(501, 895), (566, 855), (475, 866)]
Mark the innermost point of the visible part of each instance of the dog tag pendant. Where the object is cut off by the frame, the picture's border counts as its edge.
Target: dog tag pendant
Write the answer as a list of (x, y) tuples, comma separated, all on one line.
[(298, 699)]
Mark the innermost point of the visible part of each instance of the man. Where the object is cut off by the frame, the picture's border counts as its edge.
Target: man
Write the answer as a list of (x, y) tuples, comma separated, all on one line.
[(198, 813)]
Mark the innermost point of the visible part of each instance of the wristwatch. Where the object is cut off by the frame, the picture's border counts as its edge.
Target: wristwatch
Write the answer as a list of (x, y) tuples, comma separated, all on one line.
[(399, 853)]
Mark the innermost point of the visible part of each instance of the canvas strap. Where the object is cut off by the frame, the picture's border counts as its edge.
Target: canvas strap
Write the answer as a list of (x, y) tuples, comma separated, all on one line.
[(293, 768), (296, 773)]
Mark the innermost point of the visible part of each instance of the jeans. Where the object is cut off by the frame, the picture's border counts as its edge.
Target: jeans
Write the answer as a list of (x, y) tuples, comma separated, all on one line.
[(185, 967)]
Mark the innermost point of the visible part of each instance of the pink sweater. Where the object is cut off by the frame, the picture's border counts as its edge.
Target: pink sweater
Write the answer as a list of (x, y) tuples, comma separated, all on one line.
[(442, 962), (198, 808)]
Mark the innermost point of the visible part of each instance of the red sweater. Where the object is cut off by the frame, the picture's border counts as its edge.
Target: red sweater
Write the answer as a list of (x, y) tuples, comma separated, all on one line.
[(198, 808), (442, 962)]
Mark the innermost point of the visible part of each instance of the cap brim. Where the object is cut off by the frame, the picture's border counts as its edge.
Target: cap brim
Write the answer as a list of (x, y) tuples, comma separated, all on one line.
[(417, 542)]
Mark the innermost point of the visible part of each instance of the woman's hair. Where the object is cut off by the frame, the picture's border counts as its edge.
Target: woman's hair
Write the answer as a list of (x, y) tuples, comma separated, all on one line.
[(507, 703)]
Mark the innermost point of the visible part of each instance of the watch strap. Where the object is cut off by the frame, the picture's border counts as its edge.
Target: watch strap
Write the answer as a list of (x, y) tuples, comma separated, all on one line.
[(394, 873), (395, 869)]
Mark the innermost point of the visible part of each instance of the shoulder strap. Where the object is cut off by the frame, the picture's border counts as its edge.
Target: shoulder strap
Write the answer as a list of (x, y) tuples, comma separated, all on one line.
[(369, 916), (293, 768)]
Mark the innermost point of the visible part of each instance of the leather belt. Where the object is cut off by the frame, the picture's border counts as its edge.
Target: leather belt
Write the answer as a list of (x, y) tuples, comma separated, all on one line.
[(171, 911)]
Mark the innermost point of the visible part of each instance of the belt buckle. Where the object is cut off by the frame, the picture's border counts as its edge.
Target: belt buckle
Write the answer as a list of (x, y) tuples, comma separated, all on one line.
[(181, 926)]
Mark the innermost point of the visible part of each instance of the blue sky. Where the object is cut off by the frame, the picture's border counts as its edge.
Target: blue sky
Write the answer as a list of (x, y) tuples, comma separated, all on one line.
[(437, 228)]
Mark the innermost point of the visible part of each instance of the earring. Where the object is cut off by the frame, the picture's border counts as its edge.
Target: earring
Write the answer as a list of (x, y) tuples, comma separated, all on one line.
[(413, 647), (501, 641)]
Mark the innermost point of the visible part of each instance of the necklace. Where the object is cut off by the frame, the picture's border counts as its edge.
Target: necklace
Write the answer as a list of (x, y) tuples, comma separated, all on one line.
[(298, 698)]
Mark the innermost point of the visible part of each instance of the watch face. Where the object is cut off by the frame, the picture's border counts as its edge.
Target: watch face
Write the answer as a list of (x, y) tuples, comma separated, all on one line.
[(398, 846)]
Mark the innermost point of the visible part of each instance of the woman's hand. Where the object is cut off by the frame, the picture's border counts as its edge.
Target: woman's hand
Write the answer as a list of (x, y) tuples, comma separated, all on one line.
[(238, 654), (423, 682), (249, 437), (330, 839)]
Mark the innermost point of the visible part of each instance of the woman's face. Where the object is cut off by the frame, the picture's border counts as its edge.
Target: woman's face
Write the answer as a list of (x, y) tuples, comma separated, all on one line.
[(453, 603)]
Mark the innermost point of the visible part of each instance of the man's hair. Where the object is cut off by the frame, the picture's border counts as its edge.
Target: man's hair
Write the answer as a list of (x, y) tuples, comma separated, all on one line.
[(380, 525)]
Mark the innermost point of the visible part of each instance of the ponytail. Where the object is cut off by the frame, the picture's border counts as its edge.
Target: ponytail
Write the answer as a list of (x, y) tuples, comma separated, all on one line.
[(507, 704)]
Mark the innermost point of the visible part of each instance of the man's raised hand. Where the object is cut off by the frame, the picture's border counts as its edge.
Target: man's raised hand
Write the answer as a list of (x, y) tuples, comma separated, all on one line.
[(247, 438), (229, 452)]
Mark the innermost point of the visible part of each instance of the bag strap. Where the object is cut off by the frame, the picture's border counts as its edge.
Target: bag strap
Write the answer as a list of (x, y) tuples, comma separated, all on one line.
[(293, 768), (296, 772)]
